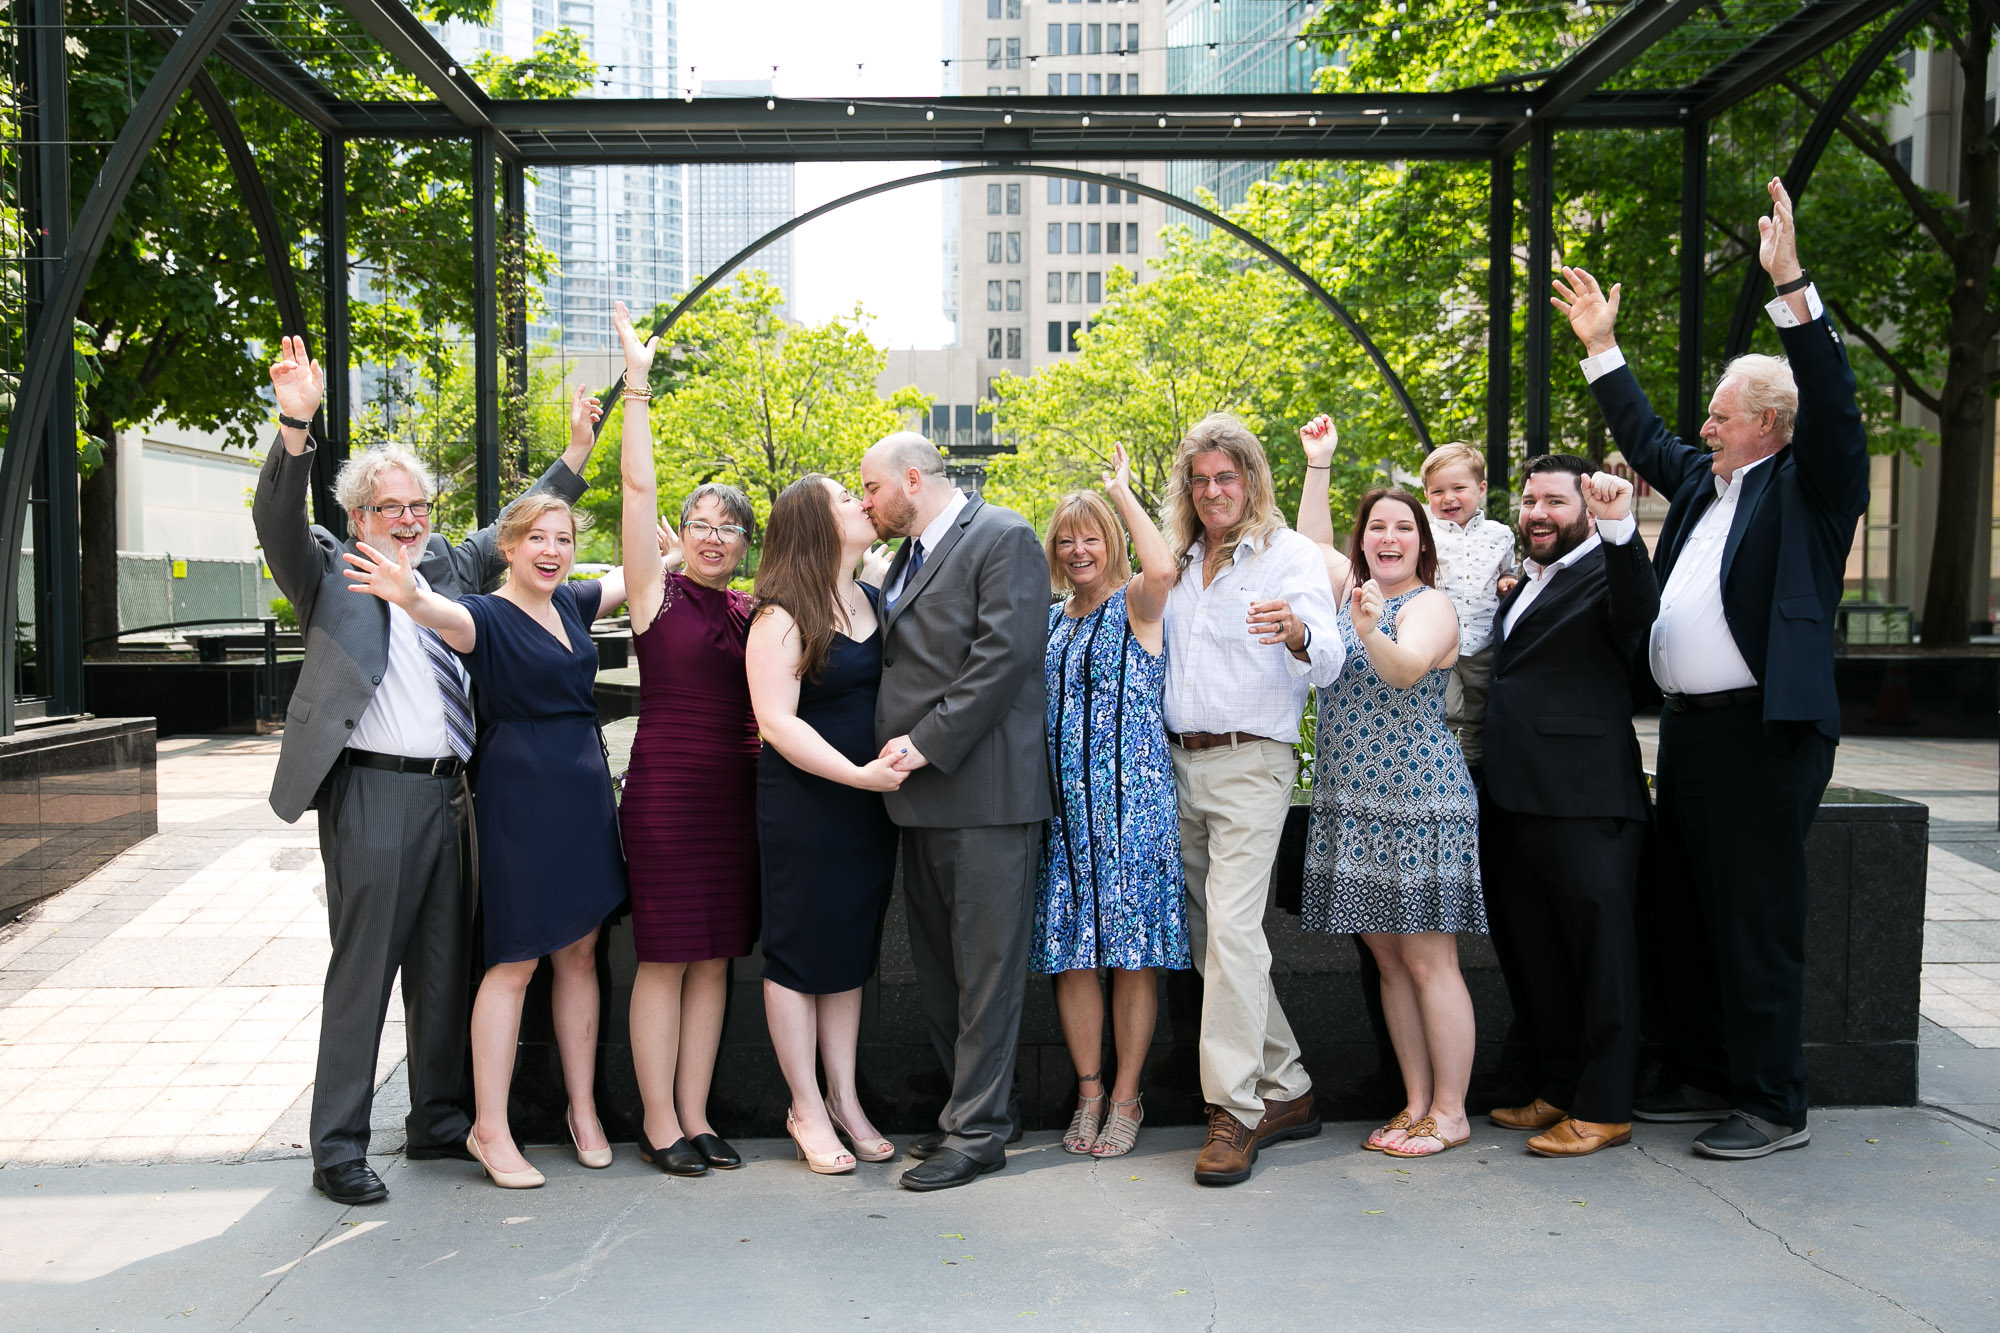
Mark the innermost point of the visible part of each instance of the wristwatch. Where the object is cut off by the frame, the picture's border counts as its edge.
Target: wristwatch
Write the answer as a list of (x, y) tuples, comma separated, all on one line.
[(1797, 284), (293, 422)]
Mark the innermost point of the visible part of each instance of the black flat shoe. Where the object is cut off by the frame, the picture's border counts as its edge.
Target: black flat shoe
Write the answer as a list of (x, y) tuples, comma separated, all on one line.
[(350, 1182), (679, 1158), (946, 1169), (925, 1146), (716, 1152), (437, 1152)]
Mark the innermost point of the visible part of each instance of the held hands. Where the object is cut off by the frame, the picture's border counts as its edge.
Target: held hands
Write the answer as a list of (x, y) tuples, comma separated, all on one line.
[(1274, 622), (880, 774), (296, 379), (1778, 239), (372, 572), (1592, 315), (1606, 495), (638, 355), (584, 413), (902, 756), (1365, 606), (1319, 439)]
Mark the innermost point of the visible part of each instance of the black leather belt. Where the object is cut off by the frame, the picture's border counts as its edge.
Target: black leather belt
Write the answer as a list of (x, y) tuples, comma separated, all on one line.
[(1702, 703), (447, 767)]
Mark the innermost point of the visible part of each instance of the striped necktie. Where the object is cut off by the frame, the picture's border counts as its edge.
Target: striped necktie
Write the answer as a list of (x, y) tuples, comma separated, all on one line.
[(458, 724)]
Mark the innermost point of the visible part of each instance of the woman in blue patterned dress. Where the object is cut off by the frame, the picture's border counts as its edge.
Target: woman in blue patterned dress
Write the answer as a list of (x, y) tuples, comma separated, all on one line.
[(1392, 850), (1111, 893)]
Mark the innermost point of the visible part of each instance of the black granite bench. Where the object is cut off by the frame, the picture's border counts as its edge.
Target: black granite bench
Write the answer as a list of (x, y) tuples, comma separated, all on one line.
[(72, 796), (1865, 939)]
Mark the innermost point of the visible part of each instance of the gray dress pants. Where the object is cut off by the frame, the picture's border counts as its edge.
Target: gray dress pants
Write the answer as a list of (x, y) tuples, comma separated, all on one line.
[(400, 891), (971, 899)]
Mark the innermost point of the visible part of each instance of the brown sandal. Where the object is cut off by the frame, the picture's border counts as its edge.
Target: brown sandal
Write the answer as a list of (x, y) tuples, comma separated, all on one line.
[(1427, 1128), (1402, 1121)]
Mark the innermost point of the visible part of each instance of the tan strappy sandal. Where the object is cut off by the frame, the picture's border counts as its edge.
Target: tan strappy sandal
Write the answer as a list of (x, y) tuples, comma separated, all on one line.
[(1373, 1143), (1120, 1131), (1081, 1136)]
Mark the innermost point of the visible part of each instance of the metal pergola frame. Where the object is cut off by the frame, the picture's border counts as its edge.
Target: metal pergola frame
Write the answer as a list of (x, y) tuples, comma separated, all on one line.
[(1012, 135)]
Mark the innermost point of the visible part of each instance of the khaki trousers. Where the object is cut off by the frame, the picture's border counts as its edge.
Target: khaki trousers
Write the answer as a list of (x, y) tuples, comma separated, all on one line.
[(1465, 691), (1233, 801)]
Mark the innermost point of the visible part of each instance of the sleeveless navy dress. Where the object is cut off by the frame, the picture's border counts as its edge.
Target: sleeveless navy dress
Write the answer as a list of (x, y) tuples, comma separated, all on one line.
[(550, 867), (828, 851)]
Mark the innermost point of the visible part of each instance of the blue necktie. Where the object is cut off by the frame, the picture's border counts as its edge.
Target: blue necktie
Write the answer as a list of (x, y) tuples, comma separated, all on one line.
[(458, 724), (910, 570)]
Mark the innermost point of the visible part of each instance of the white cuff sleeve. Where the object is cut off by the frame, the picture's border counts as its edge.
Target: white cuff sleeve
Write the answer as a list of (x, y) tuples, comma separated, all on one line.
[(1780, 310), (1602, 364), (1617, 531)]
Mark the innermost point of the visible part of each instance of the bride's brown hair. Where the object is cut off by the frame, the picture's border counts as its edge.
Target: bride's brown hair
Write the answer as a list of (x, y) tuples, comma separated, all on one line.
[(800, 567)]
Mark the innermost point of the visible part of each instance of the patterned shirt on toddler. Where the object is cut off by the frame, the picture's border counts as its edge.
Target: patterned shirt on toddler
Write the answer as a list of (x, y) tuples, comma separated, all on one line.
[(1471, 559)]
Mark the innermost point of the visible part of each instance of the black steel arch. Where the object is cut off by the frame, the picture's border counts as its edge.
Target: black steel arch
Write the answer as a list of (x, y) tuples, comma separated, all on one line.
[(1819, 137), (1326, 298), (49, 351)]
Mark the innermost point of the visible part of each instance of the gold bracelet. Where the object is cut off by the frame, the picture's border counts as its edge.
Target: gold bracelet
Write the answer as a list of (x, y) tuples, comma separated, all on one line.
[(633, 395)]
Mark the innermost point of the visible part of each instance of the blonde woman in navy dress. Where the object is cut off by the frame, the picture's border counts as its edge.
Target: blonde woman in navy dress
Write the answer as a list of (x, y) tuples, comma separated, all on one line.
[(550, 866), (1111, 892)]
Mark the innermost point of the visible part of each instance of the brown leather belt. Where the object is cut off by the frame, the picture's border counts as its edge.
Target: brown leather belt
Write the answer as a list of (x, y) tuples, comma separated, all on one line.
[(1209, 740)]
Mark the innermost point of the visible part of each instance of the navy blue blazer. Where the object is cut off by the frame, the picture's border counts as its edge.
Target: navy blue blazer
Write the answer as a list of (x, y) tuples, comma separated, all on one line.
[(1786, 557)]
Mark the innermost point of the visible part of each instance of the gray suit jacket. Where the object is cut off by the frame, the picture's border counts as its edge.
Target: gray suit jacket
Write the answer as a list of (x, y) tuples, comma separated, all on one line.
[(962, 652), (346, 635)]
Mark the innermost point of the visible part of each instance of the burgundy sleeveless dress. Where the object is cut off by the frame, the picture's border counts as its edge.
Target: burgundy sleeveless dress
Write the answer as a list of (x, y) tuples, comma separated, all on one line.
[(689, 812)]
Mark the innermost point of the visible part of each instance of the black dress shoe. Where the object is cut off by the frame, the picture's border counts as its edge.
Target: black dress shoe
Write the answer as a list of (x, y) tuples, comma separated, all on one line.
[(1744, 1135), (716, 1152), (350, 1182), (925, 1145), (945, 1169), (679, 1158), (438, 1152)]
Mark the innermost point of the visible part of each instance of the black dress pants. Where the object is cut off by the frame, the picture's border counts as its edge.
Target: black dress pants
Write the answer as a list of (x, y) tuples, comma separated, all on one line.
[(1565, 890), (1735, 801)]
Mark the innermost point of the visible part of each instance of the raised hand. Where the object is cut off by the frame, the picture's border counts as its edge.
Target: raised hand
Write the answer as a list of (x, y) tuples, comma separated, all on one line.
[(584, 413), (881, 774), (670, 546), (1592, 315), (638, 355), (1606, 495), (296, 379), (1319, 439), (372, 572), (1118, 481), (1365, 605), (875, 563), (1778, 239)]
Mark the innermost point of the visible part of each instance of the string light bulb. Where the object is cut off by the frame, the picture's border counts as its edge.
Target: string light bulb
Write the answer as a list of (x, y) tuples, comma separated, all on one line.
[(1007, 119), (929, 114), (1312, 122), (850, 108), (1086, 121), (770, 104), (1163, 122)]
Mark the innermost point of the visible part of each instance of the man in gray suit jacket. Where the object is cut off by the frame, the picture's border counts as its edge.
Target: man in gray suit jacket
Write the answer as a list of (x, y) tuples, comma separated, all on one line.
[(967, 603), (376, 738)]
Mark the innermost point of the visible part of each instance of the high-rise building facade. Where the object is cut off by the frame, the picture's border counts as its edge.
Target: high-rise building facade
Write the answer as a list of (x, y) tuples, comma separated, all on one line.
[(1032, 254), (731, 204), (1234, 46), (615, 230)]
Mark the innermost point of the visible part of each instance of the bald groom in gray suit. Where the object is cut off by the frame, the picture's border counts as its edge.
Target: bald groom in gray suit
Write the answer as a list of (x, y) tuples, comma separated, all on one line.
[(965, 622)]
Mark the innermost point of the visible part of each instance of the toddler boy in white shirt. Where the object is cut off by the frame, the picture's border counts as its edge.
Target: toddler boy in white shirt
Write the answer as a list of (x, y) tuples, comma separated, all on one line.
[(1476, 567)]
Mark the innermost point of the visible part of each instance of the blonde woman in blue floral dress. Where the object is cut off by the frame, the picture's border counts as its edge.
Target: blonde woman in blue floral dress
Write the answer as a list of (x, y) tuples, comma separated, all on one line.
[(1111, 894)]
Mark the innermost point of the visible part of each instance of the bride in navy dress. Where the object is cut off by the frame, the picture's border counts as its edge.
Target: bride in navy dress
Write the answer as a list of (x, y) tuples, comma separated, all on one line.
[(550, 867), (825, 842)]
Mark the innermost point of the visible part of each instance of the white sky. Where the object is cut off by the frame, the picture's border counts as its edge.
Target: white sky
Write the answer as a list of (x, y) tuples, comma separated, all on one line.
[(887, 252)]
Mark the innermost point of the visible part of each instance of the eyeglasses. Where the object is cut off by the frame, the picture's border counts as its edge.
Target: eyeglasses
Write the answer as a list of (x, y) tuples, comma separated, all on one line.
[(421, 509), (696, 530), (1221, 481)]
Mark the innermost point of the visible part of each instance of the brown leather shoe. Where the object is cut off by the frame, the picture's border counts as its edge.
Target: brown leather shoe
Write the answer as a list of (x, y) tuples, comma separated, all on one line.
[(1229, 1153), (1579, 1138), (1537, 1114), (1295, 1119)]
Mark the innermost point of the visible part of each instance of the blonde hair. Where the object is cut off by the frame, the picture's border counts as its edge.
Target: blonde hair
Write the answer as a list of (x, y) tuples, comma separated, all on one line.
[(1220, 433), (1454, 454), (1086, 509), (360, 477), (519, 518), (1765, 383)]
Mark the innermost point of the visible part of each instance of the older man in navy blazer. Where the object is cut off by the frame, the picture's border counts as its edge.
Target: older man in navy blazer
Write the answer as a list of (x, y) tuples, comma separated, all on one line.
[(1751, 562)]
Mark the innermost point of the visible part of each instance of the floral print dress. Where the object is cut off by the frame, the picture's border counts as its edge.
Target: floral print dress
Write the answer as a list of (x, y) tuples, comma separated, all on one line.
[(1111, 891)]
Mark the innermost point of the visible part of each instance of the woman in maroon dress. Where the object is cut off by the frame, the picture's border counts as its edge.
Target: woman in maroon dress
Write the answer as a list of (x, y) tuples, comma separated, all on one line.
[(689, 809)]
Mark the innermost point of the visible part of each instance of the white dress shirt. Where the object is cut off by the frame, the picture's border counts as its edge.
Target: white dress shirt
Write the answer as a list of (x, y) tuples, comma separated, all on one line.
[(405, 716), (1691, 650), (930, 537), (1471, 558), (1219, 678), (1537, 575)]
